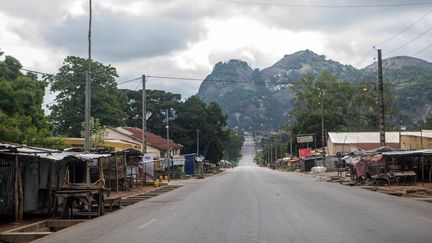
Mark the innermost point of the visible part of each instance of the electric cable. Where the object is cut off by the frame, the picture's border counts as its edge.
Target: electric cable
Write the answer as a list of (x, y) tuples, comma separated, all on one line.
[(127, 81), (405, 29), (422, 50), (409, 42), (328, 5)]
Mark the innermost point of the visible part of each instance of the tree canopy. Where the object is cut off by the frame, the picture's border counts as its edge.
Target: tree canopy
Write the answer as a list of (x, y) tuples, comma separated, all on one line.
[(194, 114), (108, 103), (191, 115), (22, 119), (347, 107), (157, 102)]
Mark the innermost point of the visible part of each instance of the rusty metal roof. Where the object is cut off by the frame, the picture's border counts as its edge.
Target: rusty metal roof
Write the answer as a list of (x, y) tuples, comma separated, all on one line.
[(43, 153)]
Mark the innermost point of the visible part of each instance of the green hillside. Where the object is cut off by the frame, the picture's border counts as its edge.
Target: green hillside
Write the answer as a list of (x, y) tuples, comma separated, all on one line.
[(262, 99)]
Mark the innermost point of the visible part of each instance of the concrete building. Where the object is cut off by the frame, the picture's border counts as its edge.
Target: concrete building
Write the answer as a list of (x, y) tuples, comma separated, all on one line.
[(156, 145)]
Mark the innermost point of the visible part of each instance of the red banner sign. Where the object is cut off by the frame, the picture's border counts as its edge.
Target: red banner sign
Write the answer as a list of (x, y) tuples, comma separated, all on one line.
[(304, 152)]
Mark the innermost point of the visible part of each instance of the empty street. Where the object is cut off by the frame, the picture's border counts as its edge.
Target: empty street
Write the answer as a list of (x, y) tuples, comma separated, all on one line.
[(253, 204)]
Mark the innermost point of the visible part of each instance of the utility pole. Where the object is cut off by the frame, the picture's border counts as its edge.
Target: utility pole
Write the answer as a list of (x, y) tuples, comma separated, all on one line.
[(144, 125), (381, 100), (291, 146), (400, 131), (271, 153), (281, 150), (197, 148), (322, 125), (144, 115), (87, 135), (168, 143), (268, 155)]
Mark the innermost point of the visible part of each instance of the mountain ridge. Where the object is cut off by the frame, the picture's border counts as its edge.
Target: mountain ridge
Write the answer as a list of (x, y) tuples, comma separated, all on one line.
[(268, 95)]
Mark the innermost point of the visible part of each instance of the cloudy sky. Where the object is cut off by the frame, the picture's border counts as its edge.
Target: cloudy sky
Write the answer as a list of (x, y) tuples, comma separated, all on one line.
[(185, 38)]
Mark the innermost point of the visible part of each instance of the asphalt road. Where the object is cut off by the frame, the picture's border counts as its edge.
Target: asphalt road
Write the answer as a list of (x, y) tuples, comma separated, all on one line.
[(252, 204)]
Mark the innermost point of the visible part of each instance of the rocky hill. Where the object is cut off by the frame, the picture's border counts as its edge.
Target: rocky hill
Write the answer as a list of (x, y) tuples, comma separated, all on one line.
[(261, 99)]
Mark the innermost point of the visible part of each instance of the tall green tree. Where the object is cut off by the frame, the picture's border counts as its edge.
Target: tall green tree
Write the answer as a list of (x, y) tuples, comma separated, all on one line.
[(194, 114), (157, 102), (108, 105), (22, 118), (233, 146), (347, 107)]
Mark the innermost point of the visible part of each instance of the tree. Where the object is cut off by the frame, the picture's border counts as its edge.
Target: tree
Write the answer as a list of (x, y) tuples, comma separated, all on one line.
[(22, 119), (108, 103), (195, 114), (157, 102), (347, 107), (98, 131), (233, 146)]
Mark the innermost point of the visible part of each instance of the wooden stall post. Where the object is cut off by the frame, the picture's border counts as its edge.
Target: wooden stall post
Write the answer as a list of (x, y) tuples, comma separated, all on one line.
[(99, 165), (16, 198), (125, 172), (116, 174), (49, 187), (18, 192), (145, 173), (108, 182), (422, 162), (430, 170)]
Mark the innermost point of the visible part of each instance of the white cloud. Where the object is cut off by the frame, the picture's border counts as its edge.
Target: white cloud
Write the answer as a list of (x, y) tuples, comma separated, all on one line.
[(187, 37)]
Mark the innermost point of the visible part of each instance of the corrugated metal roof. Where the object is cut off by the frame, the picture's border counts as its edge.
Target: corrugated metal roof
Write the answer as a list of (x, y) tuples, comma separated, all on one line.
[(63, 155), (50, 154), (410, 152), (25, 148), (371, 137), (361, 137)]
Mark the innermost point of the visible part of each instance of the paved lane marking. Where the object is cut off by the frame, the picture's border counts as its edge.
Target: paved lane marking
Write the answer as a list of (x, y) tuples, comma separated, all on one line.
[(147, 224)]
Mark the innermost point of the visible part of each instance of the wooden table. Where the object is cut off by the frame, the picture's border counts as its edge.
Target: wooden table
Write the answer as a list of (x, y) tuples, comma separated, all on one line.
[(86, 196)]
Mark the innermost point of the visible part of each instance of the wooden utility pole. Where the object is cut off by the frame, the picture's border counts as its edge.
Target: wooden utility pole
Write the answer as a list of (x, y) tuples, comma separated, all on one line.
[(322, 124), (271, 152), (144, 125), (87, 135), (197, 148), (381, 100), (168, 144), (144, 115)]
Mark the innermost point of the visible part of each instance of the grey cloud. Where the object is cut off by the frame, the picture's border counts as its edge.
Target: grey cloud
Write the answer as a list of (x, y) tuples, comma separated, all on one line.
[(116, 38)]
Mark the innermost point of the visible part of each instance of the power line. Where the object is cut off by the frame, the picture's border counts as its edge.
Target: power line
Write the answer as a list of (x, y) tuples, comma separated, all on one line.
[(237, 81), (405, 29), (139, 84), (127, 81), (176, 78), (409, 42), (50, 74), (422, 50), (25, 69), (328, 5), (366, 56)]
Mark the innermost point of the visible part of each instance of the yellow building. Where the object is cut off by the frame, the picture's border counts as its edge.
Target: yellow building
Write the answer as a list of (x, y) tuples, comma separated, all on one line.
[(115, 144)]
